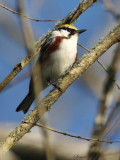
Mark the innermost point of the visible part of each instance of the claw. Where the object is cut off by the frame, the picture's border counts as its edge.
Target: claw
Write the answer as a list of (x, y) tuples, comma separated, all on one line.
[(56, 86)]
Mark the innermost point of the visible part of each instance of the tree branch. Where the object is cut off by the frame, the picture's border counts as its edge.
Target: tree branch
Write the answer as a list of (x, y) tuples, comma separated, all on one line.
[(82, 7), (79, 67)]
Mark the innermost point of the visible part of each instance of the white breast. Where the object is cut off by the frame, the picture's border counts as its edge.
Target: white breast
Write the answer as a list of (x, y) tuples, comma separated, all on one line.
[(62, 59)]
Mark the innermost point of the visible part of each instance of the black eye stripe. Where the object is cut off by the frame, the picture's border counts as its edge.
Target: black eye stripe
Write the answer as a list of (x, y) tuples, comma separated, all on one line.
[(67, 29)]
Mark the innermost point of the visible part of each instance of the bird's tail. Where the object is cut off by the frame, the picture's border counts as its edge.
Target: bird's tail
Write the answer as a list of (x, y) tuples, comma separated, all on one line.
[(25, 104)]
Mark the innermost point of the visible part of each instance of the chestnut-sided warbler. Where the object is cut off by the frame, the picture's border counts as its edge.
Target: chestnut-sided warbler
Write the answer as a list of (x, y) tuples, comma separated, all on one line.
[(57, 55)]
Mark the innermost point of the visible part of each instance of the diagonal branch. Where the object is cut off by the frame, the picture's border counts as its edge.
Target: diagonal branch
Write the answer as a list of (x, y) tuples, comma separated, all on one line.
[(79, 67), (82, 7)]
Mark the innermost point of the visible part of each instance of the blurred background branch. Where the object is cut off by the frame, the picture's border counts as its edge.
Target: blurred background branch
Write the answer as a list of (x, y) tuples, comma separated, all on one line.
[(102, 119), (29, 46)]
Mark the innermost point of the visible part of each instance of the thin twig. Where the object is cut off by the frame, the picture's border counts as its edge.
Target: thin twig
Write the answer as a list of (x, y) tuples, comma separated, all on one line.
[(71, 135), (103, 66), (21, 14), (84, 47), (109, 74)]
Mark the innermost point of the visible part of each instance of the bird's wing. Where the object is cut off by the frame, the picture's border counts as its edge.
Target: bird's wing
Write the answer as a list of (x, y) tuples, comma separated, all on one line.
[(45, 48)]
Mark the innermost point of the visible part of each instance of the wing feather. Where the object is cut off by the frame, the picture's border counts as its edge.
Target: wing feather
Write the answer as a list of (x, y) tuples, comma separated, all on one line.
[(45, 48)]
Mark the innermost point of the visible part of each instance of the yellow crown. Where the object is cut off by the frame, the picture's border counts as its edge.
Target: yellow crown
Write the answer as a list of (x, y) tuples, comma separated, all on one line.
[(69, 26)]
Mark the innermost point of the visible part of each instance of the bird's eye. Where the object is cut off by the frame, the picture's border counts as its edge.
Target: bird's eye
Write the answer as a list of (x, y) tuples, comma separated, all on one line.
[(72, 32), (68, 29)]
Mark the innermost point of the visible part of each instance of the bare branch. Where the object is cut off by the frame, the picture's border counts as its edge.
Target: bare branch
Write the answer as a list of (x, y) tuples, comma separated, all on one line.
[(21, 14), (77, 70), (110, 74), (73, 136)]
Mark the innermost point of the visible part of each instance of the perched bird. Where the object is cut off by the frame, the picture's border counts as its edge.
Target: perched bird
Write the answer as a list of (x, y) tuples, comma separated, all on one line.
[(58, 53)]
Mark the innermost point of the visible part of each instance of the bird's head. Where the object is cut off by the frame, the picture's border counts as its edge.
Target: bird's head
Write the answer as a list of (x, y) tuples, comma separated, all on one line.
[(68, 30)]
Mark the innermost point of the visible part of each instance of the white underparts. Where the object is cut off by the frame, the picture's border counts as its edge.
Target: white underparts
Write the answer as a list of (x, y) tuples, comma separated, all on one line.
[(61, 59)]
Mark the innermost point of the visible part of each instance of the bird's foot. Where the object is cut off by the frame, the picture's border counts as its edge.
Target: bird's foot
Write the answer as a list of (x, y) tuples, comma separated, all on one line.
[(56, 86)]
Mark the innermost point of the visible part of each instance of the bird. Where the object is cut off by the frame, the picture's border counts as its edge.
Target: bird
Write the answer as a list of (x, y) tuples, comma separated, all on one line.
[(58, 53)]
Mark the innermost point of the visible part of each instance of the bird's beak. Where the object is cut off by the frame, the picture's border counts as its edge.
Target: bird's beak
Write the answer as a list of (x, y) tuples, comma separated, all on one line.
[(81, 31)]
